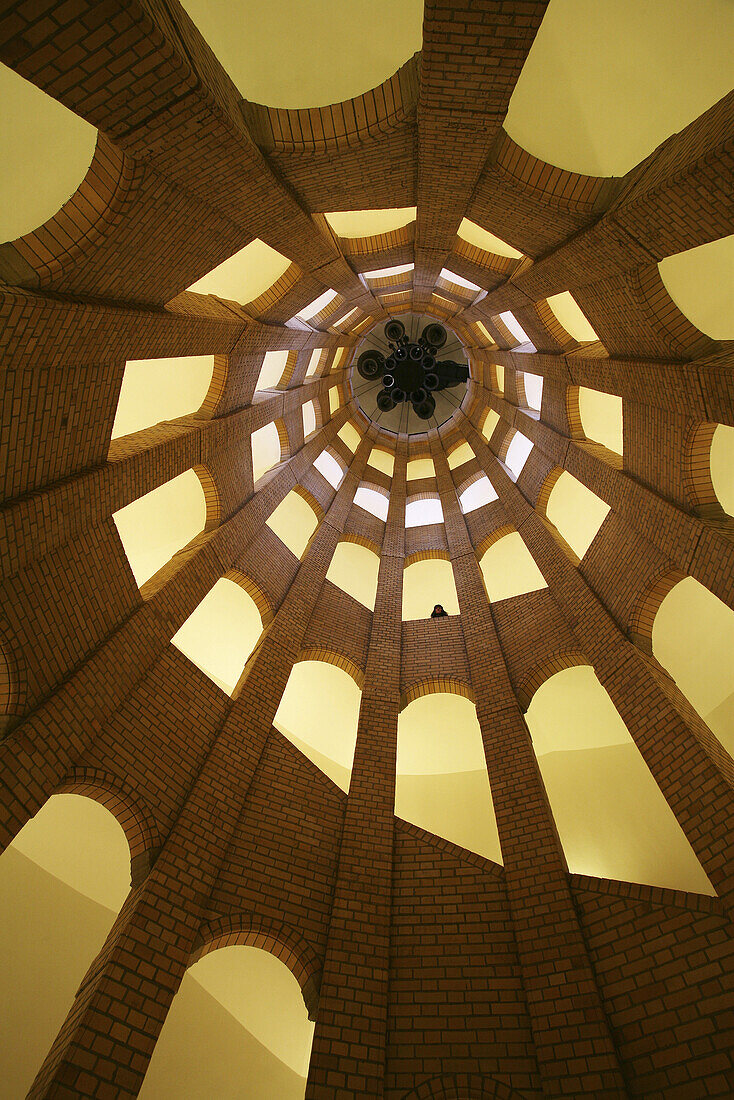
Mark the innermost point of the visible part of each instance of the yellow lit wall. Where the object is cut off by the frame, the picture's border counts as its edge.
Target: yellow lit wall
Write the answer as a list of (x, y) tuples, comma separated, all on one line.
[(601, 418), (368, 223), (461, 454), (578, 101), (319, 713), (36, 131), (62, 881), (569, 313), (722, 466), (161, 389), (576, 512), (310, 38), (441, 782), (155, 526), (701, 283), (293, 521), (271, 371), (221, 633), (349, 435), (482, 238), (426, 583), (265, 444), (308, 413), (509, 569), (354, 569), (490, 422), (612, 818), (244, 276), (693, 638), (420, 467), (381, 460)]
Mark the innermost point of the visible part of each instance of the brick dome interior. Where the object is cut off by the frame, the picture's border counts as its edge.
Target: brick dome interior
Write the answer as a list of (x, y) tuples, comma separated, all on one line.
[(264, 820)]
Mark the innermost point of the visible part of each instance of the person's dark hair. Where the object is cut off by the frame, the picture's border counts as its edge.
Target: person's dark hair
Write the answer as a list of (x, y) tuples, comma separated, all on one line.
[(438, 612)]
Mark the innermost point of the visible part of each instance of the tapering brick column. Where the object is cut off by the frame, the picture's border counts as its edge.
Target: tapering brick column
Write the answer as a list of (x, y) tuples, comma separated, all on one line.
[(106, 1042), (575, 1050), (348, 1056)]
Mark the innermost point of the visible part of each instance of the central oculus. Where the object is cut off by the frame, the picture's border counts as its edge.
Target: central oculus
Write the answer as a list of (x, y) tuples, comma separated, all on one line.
[(412, 371)]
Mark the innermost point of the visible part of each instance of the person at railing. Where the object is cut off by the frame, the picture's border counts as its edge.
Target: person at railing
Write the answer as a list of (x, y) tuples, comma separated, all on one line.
[(438, 612)]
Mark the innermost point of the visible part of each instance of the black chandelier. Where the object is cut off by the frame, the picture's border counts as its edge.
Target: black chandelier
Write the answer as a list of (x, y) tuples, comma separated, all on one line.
[(411, 371)]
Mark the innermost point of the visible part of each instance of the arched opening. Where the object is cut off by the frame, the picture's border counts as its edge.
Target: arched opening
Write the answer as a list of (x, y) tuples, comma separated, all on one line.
[(701, 283), (601, 418), (423, 511), (515, 329), (614, 59), (318, 305), (489, 423), (237, 1026), (354, 569), (382, 460), (155, 526), (481, 238), (271, 371), (244, 276), (533, 387), (372, 501), (426, 583), (441, 782), (369, 223), (517, 455), (294, 522), (306, 75), (693, 638), (266, 450), (349, 435), (37, 131), (315, 361), (509, 569), (575, 512), (420, 467), (721, 465), (334, 399), (476, 495), (497, 372), (62, 882), (459, 455), (612, 819), (329, 467), (221, 633), (161, 389), (571, 317), (318, 713), (308, 414)]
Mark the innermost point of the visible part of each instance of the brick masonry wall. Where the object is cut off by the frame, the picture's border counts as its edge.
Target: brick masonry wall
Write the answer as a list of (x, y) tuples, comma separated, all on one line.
[(429, 971)]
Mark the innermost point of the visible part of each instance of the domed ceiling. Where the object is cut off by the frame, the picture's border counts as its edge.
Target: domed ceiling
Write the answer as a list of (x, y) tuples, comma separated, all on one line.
[(356, 313)]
